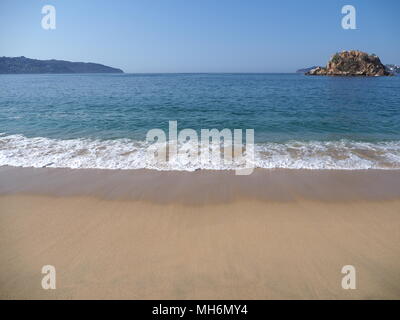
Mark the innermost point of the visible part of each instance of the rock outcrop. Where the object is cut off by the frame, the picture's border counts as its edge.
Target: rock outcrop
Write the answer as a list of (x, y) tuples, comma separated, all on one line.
[(352, 63)]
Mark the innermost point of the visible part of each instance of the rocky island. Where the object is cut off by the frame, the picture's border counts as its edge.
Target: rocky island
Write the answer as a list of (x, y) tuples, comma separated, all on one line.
[(21, 65), (352, 63)]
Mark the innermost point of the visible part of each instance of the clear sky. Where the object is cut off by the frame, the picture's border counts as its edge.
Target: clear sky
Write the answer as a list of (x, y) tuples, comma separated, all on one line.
[(199, 35)]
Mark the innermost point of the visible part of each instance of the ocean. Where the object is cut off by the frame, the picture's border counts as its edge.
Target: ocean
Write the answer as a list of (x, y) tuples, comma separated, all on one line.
[(101, 120)]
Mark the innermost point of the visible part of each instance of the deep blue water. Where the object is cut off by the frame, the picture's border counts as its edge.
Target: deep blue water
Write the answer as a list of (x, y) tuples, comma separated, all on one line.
[(281, 108)]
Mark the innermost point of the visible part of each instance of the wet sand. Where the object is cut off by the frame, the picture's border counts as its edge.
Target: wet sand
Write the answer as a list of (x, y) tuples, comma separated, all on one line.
[(282, 234)]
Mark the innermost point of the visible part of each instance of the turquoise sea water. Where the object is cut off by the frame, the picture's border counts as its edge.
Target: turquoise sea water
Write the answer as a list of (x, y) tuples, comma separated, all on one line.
[(101, 120)]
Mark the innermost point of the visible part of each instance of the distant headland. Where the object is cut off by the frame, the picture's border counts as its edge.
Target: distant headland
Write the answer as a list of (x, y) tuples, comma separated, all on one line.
[(304, 70), (23, 65), (353, 63)]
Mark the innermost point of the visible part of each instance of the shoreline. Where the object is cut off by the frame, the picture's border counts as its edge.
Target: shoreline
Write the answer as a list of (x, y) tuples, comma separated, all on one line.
[(130, 154), (203, 186)]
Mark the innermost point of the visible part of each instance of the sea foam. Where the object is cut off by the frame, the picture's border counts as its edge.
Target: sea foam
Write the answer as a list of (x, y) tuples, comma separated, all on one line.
[(21, 151)]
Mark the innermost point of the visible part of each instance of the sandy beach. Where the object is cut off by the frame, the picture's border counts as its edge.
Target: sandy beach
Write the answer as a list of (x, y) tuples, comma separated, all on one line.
[(203, 235)]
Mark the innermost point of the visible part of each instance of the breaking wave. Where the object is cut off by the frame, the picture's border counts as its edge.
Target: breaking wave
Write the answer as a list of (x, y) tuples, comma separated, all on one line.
[(20, 151)]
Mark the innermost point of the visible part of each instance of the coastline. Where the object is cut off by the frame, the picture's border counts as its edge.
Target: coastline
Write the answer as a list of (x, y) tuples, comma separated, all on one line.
[(203, 186), (142, 234)]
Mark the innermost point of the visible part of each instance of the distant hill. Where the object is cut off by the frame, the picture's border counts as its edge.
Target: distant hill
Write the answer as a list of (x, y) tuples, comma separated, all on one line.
[(393, 68), (19, 65), (306, 69)]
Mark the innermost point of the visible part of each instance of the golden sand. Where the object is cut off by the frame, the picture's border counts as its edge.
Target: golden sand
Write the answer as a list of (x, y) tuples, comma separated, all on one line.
[(202, 235), (113, 249)]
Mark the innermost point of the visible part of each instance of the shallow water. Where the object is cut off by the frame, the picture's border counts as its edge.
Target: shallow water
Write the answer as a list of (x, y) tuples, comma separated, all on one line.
[(101, 120)]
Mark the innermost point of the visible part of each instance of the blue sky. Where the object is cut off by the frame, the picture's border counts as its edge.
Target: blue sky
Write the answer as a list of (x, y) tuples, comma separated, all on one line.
[(199, 35)]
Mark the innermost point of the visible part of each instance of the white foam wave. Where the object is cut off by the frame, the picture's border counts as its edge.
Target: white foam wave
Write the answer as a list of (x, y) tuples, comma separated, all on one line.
[(18, 150)]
